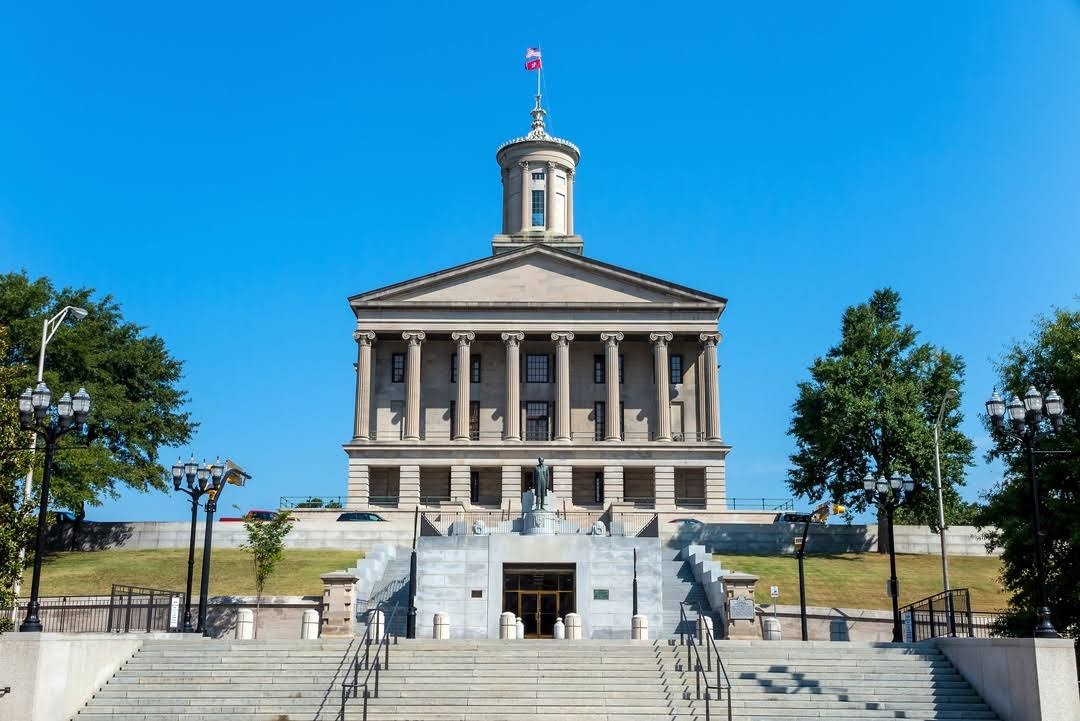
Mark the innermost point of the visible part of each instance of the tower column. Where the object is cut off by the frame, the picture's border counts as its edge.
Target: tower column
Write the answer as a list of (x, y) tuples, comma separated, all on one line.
[(362, 416), (526, 197), (412, 384), (712, 394), (512, 414), (506, 200), (562, 385), (663, 393), (570, 201), (464, 381), (613, 422), (549, 200)]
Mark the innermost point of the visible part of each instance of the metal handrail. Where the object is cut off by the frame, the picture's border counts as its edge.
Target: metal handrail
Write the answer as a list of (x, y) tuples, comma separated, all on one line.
[(701, 672), (371, 664)]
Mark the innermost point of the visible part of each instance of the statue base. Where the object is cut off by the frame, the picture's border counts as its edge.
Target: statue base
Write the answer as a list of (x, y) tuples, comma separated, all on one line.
[(539, 521)]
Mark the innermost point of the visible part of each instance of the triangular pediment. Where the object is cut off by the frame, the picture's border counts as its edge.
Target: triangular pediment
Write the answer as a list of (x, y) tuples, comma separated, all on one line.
[(536, 275)]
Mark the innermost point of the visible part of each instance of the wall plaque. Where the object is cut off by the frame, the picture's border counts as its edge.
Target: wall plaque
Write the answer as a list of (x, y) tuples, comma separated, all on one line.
[(741, 609)]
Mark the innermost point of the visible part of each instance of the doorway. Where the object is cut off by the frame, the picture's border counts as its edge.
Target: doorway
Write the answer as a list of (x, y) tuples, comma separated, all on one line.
[(538, 594)]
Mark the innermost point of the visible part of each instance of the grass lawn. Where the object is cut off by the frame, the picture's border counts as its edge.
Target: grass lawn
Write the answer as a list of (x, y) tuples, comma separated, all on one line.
[(857, 580), (92, 572)]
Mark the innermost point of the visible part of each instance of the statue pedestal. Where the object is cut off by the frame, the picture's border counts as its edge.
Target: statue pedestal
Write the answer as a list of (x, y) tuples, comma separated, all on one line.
[(538, 521)]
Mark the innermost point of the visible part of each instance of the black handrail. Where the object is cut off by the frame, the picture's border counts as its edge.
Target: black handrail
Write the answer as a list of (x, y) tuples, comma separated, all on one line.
[(947, 606), (721, 689), (382, 649)]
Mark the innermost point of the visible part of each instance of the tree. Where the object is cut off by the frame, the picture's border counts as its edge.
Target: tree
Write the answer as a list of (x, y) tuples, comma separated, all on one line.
[(869, 406), (16, 517), (1050, 358), (266, 542), (132, 379)]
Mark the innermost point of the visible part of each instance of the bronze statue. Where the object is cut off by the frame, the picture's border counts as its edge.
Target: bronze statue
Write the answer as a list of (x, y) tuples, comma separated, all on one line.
[(540, 484)]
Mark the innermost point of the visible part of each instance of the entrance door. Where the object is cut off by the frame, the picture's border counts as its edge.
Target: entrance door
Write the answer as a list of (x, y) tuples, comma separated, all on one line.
[(538, 595), (538, 611)]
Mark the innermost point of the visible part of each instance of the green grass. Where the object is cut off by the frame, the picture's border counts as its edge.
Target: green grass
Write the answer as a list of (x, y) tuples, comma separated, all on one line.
[(231, 573), (857, 580)]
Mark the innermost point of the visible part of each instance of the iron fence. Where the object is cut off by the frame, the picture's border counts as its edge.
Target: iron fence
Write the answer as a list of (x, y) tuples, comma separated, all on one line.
[(761, 504), (946, 614), (127, 609), (289, 502), (564, 523)]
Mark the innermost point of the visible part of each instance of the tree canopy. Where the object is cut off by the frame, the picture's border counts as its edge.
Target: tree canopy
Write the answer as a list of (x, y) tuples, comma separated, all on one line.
[(137, 403), (869, 406), (1049, 358), (16, 518)]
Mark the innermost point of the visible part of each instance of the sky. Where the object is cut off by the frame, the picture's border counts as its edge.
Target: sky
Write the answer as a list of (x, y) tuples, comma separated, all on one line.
[(231, 172)]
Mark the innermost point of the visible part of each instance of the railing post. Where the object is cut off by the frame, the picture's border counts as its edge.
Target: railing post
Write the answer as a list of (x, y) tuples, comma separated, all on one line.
[(127, 614), (933, 624), (149, 612)]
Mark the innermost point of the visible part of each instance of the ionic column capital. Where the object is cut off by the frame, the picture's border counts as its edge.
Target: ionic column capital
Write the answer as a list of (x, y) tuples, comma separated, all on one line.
[(612, 338), (710, 338), (464, 337), (660, 339), (363, 337), (524, 165), (551, 165), (512, 338), (562, 338), (414, 337)]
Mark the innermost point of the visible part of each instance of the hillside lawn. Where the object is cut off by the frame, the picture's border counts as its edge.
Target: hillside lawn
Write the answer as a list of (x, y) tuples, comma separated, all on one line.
[(84, 573), (857, 580)]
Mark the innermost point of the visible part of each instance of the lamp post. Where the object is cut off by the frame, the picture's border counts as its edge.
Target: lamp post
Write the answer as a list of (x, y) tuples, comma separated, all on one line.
[(1026, 426), (215, 475), (192, 472), (949, 395), (886, 493), (36, 415), (818, 515)]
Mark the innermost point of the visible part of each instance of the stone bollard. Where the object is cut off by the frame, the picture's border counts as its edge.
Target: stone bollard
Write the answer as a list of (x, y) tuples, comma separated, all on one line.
[(519, 629), (377, 625), (441, 625), (309, 627), (704, 629), (573, 627), (507, 626), (639, 628), (838, 630), (770, 628), (245, 624), (560, 629)]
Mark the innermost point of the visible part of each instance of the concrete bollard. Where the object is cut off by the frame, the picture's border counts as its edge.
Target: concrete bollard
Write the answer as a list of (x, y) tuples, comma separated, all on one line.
[(770, 628), (639, 628), (838, 630), (507, 626), (309, 627), (704, 629), (245, 624), (441, 625), (573, 627), (560, 629), (519, 629), (377, 625)]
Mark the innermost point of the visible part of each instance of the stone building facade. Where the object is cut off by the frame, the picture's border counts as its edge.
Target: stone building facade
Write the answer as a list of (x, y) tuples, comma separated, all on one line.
[(466, 376)]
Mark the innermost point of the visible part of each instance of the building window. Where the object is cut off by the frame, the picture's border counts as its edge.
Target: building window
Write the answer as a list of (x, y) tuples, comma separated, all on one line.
[(474, 420), (397, 368), (536, 421), (538, 176), (538, 208), (600, 419), (620, 369), (536, 368), (675, 362), (598, 487), (598, 369), (474, 368), (453, 367), (474, 488)]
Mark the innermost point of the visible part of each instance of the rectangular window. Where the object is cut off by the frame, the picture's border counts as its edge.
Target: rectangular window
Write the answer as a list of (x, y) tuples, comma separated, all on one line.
[(598, 369), (453, 367), (474, 420), (598, 487), (675, 362), (474, 371), (620, 369), (536, 421), (622, 421), (397, 368), (536, 368), (474, 488), (538, 176), (600, 419), (538, 209)]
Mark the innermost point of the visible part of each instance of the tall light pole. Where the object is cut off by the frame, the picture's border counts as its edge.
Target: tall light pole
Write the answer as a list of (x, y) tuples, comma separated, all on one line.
[(949, 395), (1025, 426), (194, 491), (48, 330), (886, 493)]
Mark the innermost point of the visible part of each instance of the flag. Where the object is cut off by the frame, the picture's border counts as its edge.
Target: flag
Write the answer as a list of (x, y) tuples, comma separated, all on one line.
[(532, 53), (532, 59), (533, 64)]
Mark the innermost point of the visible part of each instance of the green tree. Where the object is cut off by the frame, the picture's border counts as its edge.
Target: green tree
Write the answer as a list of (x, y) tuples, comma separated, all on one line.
[(132, 380), (869, 406), (1050, 358), (16, 518), (266, 543)]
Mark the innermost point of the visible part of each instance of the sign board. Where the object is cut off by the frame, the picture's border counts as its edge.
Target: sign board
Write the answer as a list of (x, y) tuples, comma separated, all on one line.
[(174, 612), (741, 609), (774, 592), (600, 594)]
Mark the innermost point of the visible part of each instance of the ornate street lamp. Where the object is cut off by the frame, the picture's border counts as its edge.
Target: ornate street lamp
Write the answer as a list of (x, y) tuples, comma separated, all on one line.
[(1026, 426), (50, 423), (191, 472), (886, 493), (215, 474)]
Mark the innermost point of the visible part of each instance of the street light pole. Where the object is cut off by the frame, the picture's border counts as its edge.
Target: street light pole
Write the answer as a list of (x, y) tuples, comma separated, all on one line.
[(949, 395), (195, 491), (886, 492), (216, 475)]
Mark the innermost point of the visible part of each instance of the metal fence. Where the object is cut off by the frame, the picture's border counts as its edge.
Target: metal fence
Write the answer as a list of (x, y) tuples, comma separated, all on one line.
[(947, 614), (565, 523), (760, 504), (287, 502), (126, 609)]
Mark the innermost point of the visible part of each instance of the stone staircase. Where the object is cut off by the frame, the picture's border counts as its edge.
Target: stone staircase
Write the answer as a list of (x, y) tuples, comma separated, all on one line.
[(525, 680), (678, 584), (392, 592)]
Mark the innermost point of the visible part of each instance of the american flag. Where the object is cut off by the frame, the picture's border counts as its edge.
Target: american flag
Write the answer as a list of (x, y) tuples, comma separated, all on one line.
[(532, 53)]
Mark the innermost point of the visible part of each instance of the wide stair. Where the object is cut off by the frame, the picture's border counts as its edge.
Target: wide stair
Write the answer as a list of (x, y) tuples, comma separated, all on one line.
[(392, 592), (678, 584)]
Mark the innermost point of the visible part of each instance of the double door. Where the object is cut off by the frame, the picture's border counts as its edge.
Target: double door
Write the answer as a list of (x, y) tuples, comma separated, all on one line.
[(538, 595)]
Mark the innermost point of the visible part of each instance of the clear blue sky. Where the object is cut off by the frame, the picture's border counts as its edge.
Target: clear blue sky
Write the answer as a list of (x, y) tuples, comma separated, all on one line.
[(231, 172)]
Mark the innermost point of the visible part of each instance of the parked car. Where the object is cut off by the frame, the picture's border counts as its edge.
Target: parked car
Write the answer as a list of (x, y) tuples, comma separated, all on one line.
[(790, 517), (686, 521), (360, 516), (254, 515)]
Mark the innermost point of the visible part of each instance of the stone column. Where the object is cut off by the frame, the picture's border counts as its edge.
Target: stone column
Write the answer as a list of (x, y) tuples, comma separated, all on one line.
[(613, 422), (712, 393), (506, 201), (362, 417), (699, 394), (569, 202), (464, 380), (412, 381), (512, 413), (562, 384), (663, 388), (526, 196), (549, 197)]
